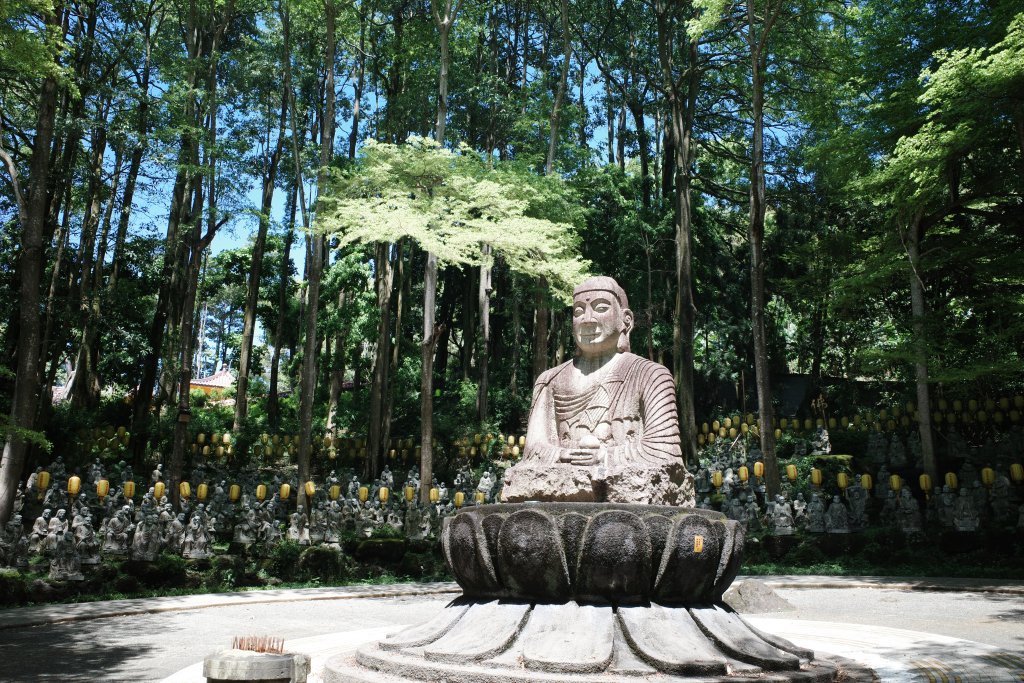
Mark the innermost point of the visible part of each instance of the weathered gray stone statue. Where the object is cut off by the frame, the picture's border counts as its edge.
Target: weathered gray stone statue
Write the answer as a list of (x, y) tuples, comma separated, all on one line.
[(605, 571), (782, 517), (837, 519), (148, 539), (909, 514), (965, 516), (816, 515), (86, 542), (116, 531), (196, 545), (603, 425), (298, 528), (65, 564)]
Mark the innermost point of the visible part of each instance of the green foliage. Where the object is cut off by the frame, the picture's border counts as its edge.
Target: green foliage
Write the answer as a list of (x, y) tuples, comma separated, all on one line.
[(450, 203)]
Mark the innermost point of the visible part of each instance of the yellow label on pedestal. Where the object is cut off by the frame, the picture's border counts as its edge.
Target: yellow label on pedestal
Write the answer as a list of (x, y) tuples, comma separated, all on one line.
[(698, 544)]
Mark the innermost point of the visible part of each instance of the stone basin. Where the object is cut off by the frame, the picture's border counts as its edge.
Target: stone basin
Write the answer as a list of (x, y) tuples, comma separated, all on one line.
[(593, 552)]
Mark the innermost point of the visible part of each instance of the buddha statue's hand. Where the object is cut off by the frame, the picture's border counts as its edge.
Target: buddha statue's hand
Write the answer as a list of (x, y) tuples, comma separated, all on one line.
[(579, 456)]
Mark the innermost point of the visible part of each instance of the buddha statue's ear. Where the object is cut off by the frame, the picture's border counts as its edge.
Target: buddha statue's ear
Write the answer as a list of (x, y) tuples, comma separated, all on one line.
[(627, 327)]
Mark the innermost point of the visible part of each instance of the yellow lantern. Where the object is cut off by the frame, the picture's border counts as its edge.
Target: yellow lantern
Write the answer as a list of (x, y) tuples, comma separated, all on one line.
[(364, 494), (522, 442), (845, 422), (201, 438), (925, 482), (261, 492), (334, 492), (74, 485), (711, 438), (704, 428), (988, 476), (1017, 473), (435, 495), (42, 483), (202, 491), (332, 453), (129, 489), (857, 420), (816, 476), (832, 423), (951, 480), (285, 491), (727, 423), (701, 440), (515, 451), (460, 499), (743, 473), (722, 432), (234, 493), (410, 493), (808, 424), (972, 405), (102, 488), (783, 423), (310, 489), (716, 425), (866, 482), (843, 480), (791, 472), (1018, 401), (159, 489), (383, 493), (759, 469), (778, 433), (478, 497), (185, 490), (895, 482), (716, 479)]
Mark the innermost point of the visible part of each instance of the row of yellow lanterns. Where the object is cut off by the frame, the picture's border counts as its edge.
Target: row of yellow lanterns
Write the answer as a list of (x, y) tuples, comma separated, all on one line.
[(988, 477)]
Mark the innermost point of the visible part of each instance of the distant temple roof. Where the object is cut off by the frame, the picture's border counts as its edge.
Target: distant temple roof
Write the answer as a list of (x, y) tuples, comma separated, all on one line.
[(218, 380)]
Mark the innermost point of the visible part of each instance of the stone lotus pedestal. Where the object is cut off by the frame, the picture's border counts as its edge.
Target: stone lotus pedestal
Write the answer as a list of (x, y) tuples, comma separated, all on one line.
[(586, 592)]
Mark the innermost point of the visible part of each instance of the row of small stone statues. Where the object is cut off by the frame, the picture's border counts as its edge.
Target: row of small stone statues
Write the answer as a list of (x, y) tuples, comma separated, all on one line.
[(142, 531), (851, 512)]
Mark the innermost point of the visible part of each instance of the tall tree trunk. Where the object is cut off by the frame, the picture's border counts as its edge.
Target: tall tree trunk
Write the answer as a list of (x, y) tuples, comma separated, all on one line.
[(273, 394), (337, 369), (31, 264), (317, 247), (540, 328), (402, 268), (384, 277), (758, 300), (484, 301), (563, 84), (912, 239), (252, 293), (427, 347), (681, 114)]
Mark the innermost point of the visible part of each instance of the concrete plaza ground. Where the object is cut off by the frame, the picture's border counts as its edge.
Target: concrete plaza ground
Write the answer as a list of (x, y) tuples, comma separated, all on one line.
[(909, 630)]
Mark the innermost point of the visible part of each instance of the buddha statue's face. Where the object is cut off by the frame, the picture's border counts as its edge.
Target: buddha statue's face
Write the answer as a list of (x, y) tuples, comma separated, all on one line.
[(597, 322)]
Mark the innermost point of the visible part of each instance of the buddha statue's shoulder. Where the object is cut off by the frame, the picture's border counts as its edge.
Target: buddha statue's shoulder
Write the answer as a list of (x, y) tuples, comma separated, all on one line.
[(634, 363), (548, 376)]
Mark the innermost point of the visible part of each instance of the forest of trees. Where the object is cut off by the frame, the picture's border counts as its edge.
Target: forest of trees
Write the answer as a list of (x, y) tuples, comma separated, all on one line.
[(811, 186)]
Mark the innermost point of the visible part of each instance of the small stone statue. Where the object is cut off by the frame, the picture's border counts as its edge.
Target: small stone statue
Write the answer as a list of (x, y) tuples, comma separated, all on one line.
[(40, 529), (318, 524), (947, 506), (816, 515), (387, 478), (909, 514), (147, 540), (858, 500), (820, 444), (882, 486), (837, 519), (246, 529), (65, 564), (86, 543), (965, 517), (196, 545), (115, 540), (897, 453), (486, 485), (782, 517), (1000, 498), (174, 535), (800, 509), (889, 514), (298, 529), (56, 528)]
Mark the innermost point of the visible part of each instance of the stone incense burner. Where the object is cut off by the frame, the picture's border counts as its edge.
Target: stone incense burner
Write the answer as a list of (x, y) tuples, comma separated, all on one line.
[(597, 567)]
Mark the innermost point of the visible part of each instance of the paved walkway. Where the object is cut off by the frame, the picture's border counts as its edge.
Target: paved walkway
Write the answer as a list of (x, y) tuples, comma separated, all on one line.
[(926, 630)]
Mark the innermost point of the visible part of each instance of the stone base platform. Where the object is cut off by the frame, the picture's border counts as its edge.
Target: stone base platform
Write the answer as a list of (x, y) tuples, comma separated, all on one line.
[(506, 641)]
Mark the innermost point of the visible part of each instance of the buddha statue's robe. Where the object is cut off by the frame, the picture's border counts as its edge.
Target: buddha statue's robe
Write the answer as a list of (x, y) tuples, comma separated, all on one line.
[(625, 412)]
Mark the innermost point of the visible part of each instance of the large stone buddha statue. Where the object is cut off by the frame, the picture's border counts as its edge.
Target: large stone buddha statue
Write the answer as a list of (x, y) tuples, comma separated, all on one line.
[(603, 426)]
